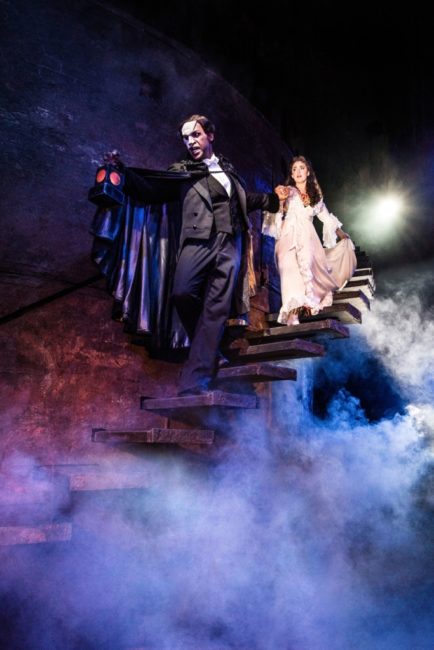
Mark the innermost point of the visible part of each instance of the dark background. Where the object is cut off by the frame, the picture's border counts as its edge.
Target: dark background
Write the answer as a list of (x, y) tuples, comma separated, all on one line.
[(347, 84)]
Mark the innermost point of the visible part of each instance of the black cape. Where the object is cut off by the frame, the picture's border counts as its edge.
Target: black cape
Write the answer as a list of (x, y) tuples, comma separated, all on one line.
[(136, 247)]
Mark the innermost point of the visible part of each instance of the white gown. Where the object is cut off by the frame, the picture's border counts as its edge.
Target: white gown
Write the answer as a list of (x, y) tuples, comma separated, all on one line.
[(309, 273)]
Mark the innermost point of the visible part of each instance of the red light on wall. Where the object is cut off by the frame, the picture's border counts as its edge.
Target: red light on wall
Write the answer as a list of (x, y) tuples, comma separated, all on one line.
[(100, 175)]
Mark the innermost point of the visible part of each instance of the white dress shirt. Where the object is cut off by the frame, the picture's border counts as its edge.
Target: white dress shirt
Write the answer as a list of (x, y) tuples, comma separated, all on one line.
[(218, 173)]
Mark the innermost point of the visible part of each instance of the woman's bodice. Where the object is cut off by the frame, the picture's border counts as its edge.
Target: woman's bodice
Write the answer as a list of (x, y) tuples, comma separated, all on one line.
[(290, 223)]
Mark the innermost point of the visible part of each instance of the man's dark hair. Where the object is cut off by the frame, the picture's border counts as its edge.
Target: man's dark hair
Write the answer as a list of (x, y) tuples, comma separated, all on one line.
[(205, 123)]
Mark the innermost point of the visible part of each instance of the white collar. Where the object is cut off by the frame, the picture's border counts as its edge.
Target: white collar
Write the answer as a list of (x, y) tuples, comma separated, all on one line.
[(211, 161), (218, 173)]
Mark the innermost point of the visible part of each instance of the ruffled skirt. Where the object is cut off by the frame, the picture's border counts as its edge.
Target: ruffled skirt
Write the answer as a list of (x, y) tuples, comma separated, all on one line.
[(309, 273)]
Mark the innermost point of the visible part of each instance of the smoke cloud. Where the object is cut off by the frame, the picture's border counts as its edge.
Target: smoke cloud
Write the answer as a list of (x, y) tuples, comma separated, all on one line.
[(321, 541)]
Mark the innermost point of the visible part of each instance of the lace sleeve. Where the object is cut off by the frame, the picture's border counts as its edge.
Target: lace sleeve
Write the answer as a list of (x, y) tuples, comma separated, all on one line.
[(271, 224), (330, 224)]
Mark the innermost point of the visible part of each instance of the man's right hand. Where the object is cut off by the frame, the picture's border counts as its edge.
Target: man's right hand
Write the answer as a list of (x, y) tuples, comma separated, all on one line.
[(114, 158), (282, 192)]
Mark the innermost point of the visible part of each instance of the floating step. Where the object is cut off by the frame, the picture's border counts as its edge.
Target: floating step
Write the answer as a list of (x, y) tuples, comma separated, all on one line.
[(30, 500), (210, 398), (362, 257), (363, 285), (363, 273), (96, 481), (329, 327), (256, 372), (366, 275), (45, 534), (155, 436), (355, 298), (341, 311), (293, 349)]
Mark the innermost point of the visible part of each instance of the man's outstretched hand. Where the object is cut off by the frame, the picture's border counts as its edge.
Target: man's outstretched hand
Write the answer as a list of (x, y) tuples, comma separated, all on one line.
[(114, 158)]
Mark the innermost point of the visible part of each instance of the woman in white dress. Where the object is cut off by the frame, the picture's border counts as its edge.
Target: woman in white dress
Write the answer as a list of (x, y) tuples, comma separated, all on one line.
[(309, 273)]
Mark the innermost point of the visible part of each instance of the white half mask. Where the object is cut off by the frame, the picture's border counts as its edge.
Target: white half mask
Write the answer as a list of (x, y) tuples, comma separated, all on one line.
[(188, 128)]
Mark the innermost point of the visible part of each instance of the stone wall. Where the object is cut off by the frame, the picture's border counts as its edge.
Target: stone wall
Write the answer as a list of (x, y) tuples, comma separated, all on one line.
[(78, 80)]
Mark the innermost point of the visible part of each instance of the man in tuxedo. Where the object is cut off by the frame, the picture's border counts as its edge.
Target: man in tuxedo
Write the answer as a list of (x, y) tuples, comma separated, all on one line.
[(214, 208)]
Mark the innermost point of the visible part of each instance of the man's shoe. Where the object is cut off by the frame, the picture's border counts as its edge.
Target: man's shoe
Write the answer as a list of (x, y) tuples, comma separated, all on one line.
[(222, 361)]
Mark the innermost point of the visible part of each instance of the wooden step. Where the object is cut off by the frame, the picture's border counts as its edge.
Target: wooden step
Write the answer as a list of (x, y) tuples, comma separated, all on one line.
[(355, 298), (363, 285), (44, 534), (366, 275), (103, 480), (83, 477), (210, 398), (362, 273), (30, 500), (329, 327), (341, 311), (256, 372), (155, 436), (362, 257), (293, 349)]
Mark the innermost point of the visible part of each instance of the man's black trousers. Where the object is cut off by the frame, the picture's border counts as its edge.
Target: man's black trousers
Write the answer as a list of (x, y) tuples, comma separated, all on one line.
[(203, 287)]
